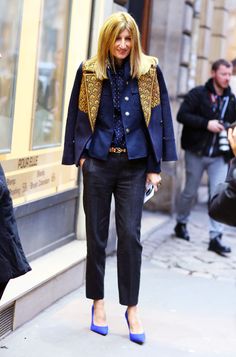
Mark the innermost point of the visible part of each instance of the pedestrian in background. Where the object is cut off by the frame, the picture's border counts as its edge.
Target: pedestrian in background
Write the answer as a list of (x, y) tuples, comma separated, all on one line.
[(205, 114), (222, 206), (119, 129), (13, 262)]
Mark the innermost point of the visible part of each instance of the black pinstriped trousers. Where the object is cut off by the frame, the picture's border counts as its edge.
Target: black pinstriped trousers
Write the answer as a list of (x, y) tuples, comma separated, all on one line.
[(125, 179)]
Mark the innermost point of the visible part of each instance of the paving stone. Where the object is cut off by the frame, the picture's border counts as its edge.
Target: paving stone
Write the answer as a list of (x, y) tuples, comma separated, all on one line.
[(193, 257)]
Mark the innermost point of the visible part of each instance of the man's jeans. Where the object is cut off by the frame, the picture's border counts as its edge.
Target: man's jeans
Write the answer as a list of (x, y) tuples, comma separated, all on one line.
[(195, 166)]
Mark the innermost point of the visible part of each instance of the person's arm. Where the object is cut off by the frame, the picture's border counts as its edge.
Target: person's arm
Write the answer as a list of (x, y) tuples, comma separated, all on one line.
[(168, 138), (189, 109), (169, 149), (68, 154), (223, 203), (232, 139)]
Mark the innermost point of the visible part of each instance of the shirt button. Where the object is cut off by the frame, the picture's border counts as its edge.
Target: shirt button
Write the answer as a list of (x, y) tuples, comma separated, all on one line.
[(126, 98), (127, 82), (127, 114), (127, 130)]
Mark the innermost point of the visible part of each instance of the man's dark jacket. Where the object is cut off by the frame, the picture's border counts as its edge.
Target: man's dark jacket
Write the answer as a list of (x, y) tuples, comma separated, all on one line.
[(13, 262), (195, 112), (222, 206)]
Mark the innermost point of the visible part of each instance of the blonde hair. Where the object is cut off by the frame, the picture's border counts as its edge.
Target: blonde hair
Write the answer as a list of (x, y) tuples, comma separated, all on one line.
[(112, 27)]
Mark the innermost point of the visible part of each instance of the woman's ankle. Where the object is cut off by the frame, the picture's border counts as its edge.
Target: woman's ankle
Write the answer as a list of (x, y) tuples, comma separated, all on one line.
[(99, 312), (134, 319)]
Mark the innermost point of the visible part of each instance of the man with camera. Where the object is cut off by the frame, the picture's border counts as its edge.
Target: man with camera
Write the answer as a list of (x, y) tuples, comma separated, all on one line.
[(222, 206), (206, 112)]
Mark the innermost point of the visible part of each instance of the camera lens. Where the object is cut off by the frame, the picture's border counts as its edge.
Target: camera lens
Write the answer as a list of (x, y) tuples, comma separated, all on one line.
[(223, 141)]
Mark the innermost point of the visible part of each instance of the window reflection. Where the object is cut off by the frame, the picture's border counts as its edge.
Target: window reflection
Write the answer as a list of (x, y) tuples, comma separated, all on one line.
[(49, 89), (10, 15)]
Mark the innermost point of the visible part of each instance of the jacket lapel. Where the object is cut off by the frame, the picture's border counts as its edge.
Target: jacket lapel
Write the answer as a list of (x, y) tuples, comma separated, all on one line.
[(90, 94), (93, 87)]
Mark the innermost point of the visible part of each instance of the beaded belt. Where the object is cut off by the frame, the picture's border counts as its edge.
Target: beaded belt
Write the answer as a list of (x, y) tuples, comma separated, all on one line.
[(117, 150)]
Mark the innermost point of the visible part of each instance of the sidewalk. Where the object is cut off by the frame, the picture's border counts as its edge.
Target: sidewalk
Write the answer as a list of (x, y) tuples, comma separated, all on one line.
[(192, 258), (185, 311)]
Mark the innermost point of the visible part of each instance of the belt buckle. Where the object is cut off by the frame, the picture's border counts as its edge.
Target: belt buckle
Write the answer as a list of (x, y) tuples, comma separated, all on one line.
[(119, 150)]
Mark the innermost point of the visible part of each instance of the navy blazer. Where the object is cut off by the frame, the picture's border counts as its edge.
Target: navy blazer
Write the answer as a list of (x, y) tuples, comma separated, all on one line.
[(87, 95)]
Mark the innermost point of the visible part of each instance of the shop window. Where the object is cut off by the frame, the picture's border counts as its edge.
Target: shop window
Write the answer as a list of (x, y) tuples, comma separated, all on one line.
[(10, 24), (50, 74)]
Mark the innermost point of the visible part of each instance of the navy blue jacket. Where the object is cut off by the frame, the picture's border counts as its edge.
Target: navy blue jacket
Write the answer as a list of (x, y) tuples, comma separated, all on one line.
[(13, 262), (90, 113)]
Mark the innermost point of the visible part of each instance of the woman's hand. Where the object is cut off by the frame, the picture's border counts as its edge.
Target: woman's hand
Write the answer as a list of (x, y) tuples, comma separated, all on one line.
[(232, 139), (154, 179), (81, 162)]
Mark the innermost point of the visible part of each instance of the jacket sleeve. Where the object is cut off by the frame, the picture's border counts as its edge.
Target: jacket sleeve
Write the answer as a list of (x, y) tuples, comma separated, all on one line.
[(69, 153), (189, 108), (222, 204), (153, 166), (169, 147)]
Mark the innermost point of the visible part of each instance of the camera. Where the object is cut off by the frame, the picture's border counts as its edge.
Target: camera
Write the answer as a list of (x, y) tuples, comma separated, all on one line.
[(223, 137)]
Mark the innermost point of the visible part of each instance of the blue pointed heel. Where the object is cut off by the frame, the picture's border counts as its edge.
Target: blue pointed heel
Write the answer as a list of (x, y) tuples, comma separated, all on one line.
[(102, 330), (135, 337)]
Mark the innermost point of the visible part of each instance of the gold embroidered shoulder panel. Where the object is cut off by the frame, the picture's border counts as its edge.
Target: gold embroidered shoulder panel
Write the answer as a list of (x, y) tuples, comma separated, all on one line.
[(89, 66), (90, 93), (149, 92)]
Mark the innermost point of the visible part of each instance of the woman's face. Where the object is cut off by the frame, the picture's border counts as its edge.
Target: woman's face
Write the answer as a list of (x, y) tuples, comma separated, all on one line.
[(122, 46)]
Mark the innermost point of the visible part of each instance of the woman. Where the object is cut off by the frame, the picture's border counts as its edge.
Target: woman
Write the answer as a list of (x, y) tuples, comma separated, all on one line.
[(13, 262), (119, 128)]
